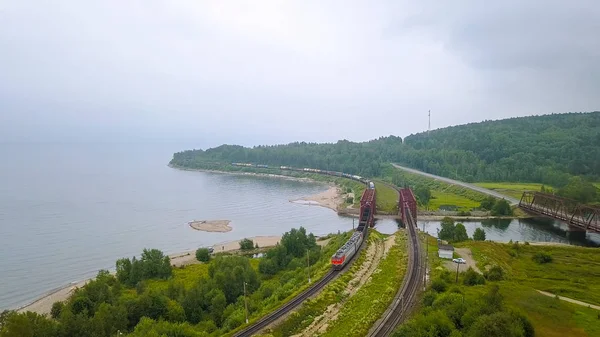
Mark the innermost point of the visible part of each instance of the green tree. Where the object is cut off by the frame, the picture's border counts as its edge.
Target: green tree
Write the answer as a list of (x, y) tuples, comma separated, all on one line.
[(229, 274), (246, 244), (580, 190), (202, 254), (28, 324), (501, 208), (500, 324), (479, 235), (56, 309), (447, 229), (423, 194), (460, 233), (155, 264), (488, 203)]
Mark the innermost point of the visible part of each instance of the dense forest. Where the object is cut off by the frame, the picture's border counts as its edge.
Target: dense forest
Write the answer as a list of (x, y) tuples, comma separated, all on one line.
[(548, 149)]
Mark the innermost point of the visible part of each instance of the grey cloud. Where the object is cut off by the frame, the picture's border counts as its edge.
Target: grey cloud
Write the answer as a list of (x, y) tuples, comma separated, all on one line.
[(248, 72)]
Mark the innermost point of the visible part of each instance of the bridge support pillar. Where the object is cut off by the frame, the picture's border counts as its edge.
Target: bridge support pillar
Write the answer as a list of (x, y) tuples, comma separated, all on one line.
[(575, 229)]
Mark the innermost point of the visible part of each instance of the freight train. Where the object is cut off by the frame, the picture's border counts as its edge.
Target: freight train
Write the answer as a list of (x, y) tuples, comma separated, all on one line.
[(309, 170)]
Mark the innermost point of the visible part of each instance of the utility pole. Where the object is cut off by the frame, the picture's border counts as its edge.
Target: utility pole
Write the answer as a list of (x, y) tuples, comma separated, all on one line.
[(308, 265), (426, 256), (457, 265), (245, 302)]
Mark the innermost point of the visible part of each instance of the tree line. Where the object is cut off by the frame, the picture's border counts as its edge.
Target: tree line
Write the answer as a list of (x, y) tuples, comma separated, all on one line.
[(144, 298), (549, 149)]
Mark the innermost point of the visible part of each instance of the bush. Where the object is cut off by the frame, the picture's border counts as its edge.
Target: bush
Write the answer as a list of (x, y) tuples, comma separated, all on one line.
[(494, 274), (349, 200), (542, 258), (246, 244), (473, 278), (202, 255), (439, 285)]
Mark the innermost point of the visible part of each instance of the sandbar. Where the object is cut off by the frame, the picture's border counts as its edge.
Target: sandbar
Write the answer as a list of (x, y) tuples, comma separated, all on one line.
[(220, 226)]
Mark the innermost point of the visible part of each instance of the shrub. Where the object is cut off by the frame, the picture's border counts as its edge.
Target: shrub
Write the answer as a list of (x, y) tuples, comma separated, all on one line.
[(542, 258), (439, 285), (202, 255), (246, 244), (496, 273), (473, 278)]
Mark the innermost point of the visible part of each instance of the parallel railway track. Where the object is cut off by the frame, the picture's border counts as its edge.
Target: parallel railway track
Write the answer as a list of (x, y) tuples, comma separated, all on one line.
[(405, 298)]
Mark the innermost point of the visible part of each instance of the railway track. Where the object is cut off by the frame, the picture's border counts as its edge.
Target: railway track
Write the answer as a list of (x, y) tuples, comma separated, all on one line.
[(270, 318), (296, 301), (405, 298)]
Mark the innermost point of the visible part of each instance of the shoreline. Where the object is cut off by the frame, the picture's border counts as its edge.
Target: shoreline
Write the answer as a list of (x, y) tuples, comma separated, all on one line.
[(255, 174), (43, 304)]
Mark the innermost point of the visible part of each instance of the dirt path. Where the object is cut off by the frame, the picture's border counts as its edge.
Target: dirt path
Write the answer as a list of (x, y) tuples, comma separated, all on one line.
[(570, 300), (374, 254), (466, 254)]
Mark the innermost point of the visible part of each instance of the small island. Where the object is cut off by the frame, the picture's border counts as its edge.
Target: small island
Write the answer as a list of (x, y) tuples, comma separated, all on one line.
[(221, 226)]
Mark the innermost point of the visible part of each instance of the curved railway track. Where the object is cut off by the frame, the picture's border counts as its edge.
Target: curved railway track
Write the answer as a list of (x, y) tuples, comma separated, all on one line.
[(405, 298), (299, 299), (273, 316)]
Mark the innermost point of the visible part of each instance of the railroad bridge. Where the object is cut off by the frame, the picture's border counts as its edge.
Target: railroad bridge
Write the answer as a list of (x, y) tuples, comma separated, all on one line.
[(578, 216), (407, 207)]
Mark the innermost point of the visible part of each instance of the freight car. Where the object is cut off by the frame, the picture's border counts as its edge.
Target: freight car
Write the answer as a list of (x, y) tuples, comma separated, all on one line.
[(371, 185)]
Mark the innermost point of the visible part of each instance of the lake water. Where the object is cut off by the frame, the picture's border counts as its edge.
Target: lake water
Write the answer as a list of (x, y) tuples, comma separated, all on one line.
[(504, 230), (67, 211)]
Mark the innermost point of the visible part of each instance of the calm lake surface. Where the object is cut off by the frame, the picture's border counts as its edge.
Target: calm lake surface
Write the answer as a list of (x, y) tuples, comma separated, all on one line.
[(67, 211), (504, 230)]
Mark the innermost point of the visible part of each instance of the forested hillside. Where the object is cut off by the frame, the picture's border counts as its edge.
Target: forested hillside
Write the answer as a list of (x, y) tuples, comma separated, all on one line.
[(547, 149)]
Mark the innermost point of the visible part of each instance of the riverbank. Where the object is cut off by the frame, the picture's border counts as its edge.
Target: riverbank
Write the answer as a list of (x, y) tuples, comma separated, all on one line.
[(467, 218), (43, 304)]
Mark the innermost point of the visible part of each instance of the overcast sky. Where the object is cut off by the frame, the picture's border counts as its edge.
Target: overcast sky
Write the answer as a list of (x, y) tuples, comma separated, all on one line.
[(263, 72)]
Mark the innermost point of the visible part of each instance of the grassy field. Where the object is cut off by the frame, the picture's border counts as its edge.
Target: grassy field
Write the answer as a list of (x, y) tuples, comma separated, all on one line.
[(597, 185), (439, 198), (573, 273), (442, 193), (514, 190), (387, 198), (356, 318)]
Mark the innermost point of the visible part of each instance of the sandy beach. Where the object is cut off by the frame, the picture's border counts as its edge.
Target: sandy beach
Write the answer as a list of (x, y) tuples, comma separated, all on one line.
[(331, 198), (220, 226)]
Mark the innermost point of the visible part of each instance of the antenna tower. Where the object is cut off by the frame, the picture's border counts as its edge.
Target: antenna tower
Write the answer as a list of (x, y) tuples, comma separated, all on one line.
[(429, 126)]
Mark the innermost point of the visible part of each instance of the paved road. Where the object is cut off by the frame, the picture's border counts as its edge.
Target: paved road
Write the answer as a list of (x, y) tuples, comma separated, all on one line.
[(493, 193)]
